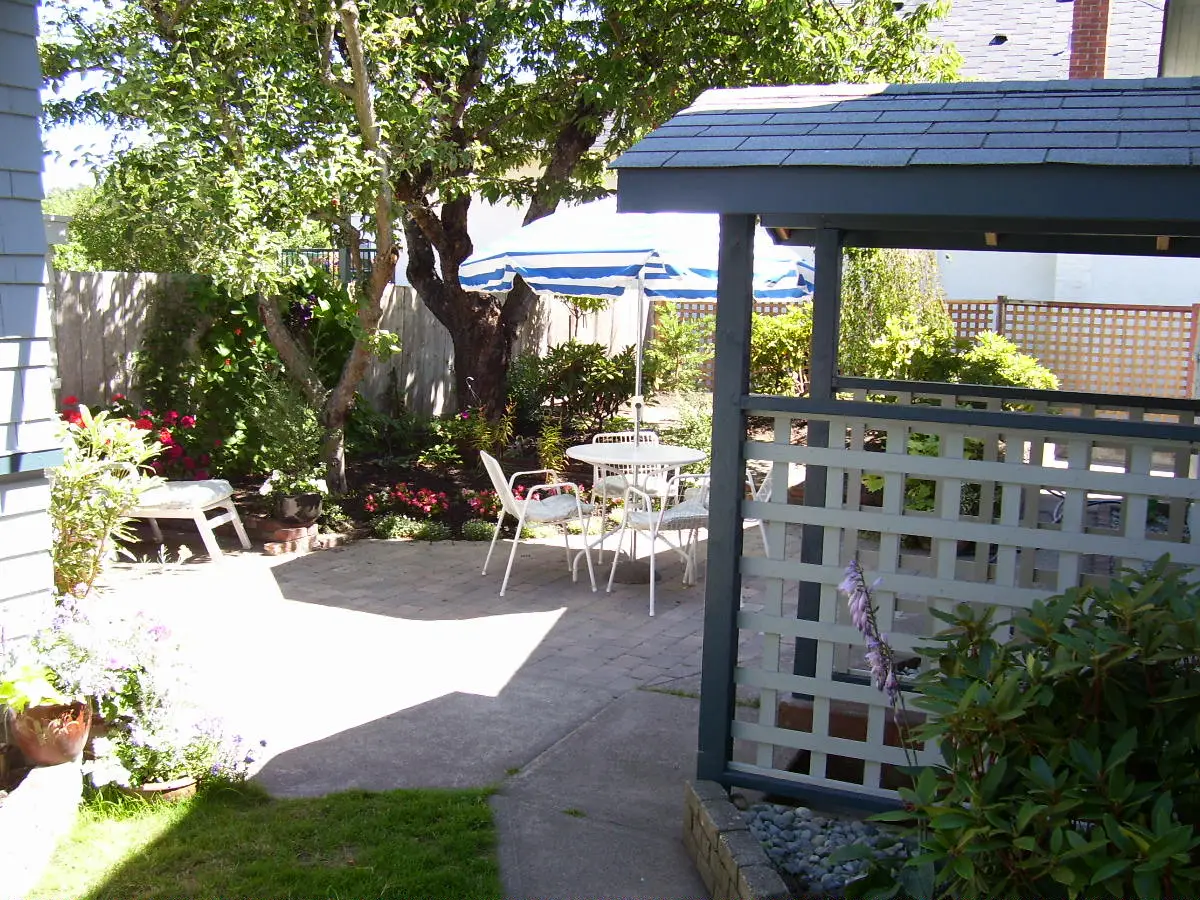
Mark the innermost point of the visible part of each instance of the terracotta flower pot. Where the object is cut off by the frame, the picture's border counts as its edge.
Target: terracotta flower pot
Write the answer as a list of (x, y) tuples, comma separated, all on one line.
[(298, 509), (164, 791), (51, 735)]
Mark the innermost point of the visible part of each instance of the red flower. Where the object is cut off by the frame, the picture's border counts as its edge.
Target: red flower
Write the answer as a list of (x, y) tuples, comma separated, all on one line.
[(174, 452), (171, 417), (144, 424), (158, 465), (201, 474), (218, 442), (188, 422), (205, 459), (189, 463), (228, 364), (238, 332), (164, 435), (73, 416), (117, 397), (71, 401)]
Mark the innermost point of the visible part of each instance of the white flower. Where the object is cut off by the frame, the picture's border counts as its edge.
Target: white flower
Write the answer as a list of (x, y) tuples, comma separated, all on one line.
[(266, 485)]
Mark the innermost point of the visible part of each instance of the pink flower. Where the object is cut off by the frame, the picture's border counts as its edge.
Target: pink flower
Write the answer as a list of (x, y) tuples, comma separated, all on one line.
[(466, 414), (201, 474), (174, 452), (218, 442), (189, 463), (205, 459), (146, 414), (188, 422), (171, 417), (117, 397)]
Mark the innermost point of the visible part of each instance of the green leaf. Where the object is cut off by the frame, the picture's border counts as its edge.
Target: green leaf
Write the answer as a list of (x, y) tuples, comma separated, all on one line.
[(1064, 875), (1110, 869), (1147, 886)]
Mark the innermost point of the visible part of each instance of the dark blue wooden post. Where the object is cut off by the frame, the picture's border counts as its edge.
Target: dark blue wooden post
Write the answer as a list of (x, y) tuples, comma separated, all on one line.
[(722, 596), (827, 299)]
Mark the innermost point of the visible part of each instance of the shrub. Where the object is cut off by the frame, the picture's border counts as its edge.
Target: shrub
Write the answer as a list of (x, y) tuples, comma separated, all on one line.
[(679, 350), (694, 430), (478, 530), (393, 526), (994, 359), (582, 386), (780, 351), (101, 477), (1072, 757)]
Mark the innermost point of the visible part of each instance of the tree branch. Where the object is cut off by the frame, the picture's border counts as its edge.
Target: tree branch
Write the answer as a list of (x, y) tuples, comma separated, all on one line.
[(577, 136), (295, 358)]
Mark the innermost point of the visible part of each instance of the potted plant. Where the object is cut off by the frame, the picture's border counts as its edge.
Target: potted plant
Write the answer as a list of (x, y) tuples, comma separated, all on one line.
[(298, 497), (148, 740), (48, 727)]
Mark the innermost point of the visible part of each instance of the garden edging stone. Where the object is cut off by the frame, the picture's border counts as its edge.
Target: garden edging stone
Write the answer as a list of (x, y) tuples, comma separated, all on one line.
[(731, 862), (33, 818)]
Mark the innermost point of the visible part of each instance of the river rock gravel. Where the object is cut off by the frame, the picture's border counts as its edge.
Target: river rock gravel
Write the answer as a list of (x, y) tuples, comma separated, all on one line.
[(800, 842)]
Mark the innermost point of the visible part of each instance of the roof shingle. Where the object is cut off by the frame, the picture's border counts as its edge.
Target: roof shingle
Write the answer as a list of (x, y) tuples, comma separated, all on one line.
[(1109, 123)]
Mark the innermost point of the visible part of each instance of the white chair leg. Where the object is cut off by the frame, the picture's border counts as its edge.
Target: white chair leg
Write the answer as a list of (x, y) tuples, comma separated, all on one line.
[(567, 543), (236, 521), (512, 554), (206, 534), (653, 555), (495, 537), (587, 554), (762, 529), (612, 573)]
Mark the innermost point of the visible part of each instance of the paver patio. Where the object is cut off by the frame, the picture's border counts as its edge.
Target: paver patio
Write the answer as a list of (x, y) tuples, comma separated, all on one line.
[(388, 664)]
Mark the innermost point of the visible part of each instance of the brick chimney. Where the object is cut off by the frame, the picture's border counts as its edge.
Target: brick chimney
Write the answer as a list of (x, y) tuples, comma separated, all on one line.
[(1089, 38)]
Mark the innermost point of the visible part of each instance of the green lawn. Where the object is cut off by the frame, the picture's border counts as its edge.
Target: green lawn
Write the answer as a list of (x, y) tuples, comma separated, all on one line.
[(237, 844)]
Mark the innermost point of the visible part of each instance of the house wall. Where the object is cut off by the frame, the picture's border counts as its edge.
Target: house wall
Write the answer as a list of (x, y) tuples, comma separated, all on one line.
[(1181, 39), (979, 275), (27, 443)]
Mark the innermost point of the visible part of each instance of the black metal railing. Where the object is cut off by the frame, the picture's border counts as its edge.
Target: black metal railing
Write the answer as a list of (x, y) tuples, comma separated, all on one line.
[(333, 260)]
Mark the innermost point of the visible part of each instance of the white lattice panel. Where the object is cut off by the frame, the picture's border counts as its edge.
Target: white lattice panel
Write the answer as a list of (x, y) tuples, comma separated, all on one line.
[(1013, 515)]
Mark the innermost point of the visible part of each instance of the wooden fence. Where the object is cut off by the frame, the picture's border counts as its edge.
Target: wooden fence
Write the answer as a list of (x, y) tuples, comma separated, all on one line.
[(1145, 351), (99, 319)]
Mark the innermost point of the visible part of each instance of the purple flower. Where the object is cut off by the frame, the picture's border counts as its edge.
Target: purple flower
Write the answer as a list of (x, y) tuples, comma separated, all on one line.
[(862, 613)]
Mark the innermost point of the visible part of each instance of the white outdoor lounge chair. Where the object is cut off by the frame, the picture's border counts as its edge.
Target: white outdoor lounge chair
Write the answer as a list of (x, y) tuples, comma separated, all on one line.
[(689, 515), (557, 508), (193, 500), (762, 494)]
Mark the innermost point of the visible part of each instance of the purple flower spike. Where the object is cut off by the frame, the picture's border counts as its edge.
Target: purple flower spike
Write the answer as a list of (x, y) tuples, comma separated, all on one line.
[(862, 608)]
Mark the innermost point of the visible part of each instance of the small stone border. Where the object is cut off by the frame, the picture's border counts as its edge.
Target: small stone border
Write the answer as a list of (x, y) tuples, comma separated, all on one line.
[(731, 861)]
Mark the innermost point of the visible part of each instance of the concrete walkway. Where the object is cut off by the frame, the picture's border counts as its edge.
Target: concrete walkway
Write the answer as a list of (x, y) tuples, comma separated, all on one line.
[(388, 664)]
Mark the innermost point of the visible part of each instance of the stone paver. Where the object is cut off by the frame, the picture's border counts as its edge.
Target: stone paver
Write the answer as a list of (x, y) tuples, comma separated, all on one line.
[(387, 664)]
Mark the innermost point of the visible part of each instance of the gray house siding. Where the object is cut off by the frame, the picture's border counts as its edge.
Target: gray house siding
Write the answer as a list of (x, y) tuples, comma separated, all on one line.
[(27, 415)]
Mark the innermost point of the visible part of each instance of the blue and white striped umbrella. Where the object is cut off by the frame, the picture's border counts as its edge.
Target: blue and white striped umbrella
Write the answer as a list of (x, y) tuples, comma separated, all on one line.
[(594, 251)]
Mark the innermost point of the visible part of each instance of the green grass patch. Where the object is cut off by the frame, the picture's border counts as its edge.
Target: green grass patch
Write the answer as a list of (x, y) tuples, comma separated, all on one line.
[(237, 844)]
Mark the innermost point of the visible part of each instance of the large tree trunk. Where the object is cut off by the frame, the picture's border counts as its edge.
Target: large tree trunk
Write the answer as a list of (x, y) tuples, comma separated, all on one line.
[(483, 327)]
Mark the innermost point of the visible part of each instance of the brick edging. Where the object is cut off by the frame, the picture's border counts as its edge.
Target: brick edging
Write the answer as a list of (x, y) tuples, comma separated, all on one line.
[(731, 861)]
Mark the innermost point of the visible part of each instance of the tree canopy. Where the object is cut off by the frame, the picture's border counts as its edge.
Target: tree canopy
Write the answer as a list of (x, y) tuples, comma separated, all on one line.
[(361, 114)]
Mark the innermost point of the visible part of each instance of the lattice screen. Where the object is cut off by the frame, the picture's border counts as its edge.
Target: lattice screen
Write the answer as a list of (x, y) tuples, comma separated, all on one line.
[(999, 515), (1101, 348)]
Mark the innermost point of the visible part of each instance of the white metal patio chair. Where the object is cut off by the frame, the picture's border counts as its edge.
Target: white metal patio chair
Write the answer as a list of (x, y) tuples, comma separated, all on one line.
[(558, 508), (762, 494), (609, 482), (689, 515)]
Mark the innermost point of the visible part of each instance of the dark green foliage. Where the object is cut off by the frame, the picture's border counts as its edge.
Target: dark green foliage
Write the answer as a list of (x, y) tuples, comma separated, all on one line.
[(206, 352), (1073, 752), (578, 384)]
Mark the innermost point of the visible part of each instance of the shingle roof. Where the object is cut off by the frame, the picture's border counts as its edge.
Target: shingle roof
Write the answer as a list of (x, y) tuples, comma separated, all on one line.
[(1113, 122), (1038, 38)]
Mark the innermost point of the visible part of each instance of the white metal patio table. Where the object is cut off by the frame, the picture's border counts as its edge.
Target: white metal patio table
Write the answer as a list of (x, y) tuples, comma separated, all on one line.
[(654, 458)]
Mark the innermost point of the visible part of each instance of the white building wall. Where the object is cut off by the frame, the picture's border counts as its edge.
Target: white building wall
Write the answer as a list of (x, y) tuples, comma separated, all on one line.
[(1065, 277), (27, 416)]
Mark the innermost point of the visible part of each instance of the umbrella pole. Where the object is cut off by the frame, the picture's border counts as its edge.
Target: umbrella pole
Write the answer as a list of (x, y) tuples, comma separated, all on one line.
[(637, 364)]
